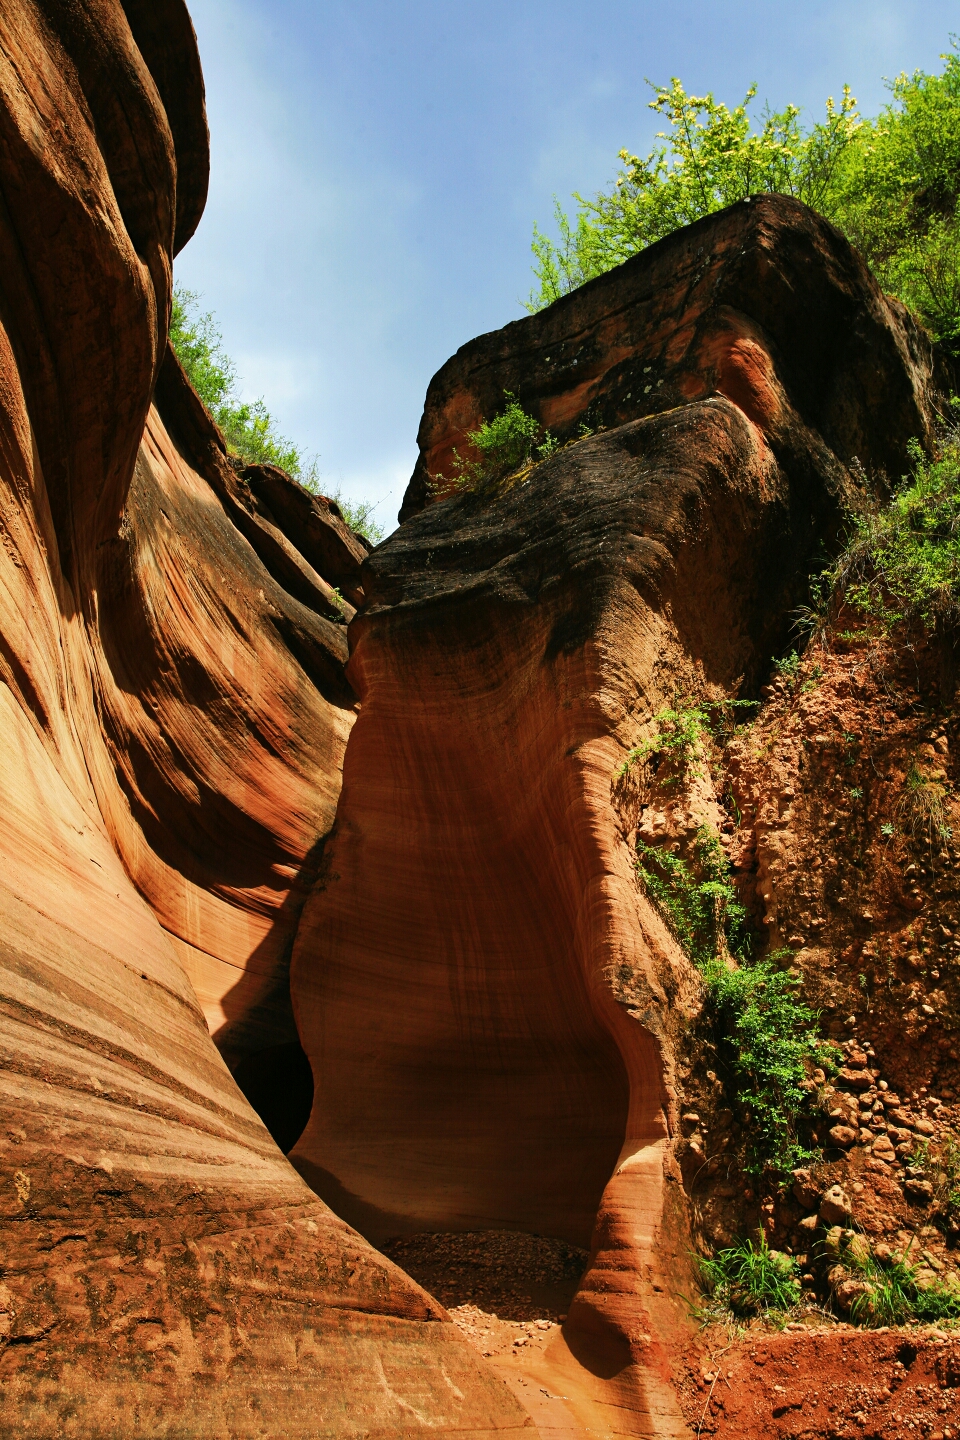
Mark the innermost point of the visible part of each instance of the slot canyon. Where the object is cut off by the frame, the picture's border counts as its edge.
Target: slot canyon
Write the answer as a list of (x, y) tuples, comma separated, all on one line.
[(353, 1083)]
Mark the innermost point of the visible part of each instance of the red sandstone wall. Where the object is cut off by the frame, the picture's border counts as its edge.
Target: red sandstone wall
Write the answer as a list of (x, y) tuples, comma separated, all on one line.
[(486, 998), (173, 717)]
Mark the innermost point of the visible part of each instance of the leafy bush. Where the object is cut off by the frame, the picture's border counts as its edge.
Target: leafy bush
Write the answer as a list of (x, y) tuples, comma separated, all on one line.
[(767, 1036), (248, 427), (751, 1279), (891, 184), (508, 443), (712, 158)]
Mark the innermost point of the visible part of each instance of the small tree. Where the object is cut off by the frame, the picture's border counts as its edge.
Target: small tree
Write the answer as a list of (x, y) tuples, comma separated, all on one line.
[(892, 184)]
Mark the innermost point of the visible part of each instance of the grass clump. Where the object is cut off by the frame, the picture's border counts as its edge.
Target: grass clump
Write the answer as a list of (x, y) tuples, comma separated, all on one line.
[(893, 1294), (510, 443), (921, 808), (751, 1279), (941, 1166)]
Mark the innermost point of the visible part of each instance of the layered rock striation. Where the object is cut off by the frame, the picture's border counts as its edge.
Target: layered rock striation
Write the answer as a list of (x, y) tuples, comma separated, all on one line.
[(487, 997), (174, 715)]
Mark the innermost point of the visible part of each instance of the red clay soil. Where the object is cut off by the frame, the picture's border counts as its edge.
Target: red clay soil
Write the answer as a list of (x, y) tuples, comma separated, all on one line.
[(852, 1385)]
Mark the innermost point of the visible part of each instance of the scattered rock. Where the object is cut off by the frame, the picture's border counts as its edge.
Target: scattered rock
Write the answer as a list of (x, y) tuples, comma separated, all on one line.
[(848, 1291), (856, 1079), (835, 1206), (858, 1249), (805, 1189)]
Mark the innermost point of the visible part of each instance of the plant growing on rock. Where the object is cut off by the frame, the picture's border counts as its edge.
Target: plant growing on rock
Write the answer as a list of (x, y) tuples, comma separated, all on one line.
[(682, 733), (893, 1293), (921, 808), (901, 563), (768, 1038), (766, 1034), (699, 904), (940, 1168), (511, 442)]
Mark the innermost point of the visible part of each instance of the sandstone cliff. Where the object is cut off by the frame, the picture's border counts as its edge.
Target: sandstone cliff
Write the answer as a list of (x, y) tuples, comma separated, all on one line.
[(349, 834), (174, 718), (490, 1002)]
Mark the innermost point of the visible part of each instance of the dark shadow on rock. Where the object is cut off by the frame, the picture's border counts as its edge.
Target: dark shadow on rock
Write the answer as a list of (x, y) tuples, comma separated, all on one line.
[(278, 1083)]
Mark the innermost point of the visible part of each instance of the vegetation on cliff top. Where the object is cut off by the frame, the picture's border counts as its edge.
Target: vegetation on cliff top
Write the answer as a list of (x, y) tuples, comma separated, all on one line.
[(891, 183), (511, 442), (248, 427)]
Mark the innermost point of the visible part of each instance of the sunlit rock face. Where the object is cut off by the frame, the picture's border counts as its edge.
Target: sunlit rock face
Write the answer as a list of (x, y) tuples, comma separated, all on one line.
[(486, 996), (174, 716)]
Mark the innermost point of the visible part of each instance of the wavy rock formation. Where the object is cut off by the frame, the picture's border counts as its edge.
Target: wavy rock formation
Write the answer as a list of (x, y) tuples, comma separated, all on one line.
[(174, 713), (486, 997)]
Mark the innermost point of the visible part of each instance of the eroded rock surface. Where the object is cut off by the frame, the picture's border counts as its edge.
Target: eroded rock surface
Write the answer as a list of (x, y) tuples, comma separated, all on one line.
[(174, 712), (488, 1000)]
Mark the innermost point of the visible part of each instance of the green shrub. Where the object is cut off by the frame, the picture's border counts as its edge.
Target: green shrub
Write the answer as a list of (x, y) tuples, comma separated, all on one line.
[(751, 1279), (768, 1039), (891, 184), (248, 427), (682, 733), (510, 442), (901, 563), (699, 904), (766, 1035)]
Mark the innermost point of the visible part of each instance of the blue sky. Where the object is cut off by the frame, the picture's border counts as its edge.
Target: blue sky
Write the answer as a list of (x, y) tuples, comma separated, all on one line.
[(377, 169)]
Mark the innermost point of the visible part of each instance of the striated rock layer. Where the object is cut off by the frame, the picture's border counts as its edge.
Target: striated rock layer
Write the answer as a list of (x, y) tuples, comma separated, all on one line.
[(486, 998), (174, 713)]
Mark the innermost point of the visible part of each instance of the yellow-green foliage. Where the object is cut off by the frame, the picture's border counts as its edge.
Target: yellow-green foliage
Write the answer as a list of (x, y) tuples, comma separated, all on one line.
[(891, 183)]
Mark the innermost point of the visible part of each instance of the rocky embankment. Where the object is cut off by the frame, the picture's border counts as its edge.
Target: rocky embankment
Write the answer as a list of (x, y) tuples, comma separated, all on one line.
[(350, 835)]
